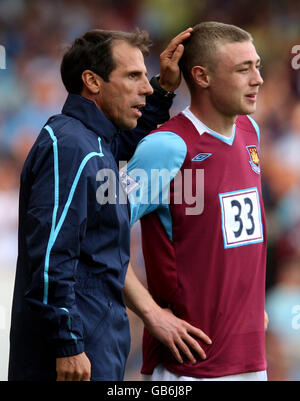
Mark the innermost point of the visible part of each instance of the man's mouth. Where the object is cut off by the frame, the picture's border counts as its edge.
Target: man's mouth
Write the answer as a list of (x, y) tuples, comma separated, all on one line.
[(137, 109), (252, 96)]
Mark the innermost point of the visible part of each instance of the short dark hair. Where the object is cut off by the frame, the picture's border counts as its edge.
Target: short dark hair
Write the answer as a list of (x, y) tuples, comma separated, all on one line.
[(93, 51), (200, 48)]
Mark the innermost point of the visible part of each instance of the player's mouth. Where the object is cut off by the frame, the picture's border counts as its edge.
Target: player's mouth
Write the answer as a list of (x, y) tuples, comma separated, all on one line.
[(137, 109), (252, 97)]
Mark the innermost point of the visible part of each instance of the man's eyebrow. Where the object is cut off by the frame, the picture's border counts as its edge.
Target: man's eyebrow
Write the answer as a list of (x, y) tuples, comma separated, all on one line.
[(137, 71), (248, 62), (134, 71)]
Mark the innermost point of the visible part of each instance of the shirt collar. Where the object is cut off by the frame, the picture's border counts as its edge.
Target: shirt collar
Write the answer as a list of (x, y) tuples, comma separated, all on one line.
[(87, 112), (200, 126)]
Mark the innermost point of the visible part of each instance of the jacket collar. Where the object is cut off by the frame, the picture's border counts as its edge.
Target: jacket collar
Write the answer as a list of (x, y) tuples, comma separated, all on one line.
[(88, 113)]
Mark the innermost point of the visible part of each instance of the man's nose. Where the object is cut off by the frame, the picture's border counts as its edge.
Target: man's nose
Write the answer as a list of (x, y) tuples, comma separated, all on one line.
[(257, 78), (146, 88)]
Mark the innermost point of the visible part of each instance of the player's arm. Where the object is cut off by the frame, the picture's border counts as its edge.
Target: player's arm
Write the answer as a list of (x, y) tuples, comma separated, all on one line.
[(161, 151), (174, 333), (157, 160)]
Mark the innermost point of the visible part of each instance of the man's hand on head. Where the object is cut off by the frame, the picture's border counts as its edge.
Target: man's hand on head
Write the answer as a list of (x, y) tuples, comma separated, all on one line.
[(170, 75)]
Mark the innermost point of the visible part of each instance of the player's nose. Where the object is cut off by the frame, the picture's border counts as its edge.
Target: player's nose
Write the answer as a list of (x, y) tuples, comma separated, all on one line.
[(257, 79)]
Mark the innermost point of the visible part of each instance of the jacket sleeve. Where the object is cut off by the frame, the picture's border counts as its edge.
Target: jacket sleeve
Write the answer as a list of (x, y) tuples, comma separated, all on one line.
[(55, 220), (154, 113)]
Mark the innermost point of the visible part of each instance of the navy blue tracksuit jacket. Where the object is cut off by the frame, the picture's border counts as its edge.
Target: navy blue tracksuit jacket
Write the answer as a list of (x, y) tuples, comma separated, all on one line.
[(73, 251)]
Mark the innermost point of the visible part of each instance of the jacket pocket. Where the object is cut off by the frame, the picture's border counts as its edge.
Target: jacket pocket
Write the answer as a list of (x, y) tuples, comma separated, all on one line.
[(94, 308)]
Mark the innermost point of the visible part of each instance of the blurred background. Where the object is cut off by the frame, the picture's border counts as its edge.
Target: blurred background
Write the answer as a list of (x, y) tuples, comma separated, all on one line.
[(34, 33)]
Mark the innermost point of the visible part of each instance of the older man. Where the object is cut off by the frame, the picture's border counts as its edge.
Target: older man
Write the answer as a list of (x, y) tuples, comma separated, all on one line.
[(68, 319)]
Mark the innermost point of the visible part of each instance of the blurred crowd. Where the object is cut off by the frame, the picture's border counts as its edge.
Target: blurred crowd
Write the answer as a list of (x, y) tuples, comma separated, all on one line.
[(35, 33)]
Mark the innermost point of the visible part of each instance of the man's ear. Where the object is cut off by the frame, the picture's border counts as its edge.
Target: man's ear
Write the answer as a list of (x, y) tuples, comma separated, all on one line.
[(91, 81), (201, 76)]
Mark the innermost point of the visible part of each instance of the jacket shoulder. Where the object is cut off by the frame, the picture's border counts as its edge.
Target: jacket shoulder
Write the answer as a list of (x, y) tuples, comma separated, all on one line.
[(71, 134)]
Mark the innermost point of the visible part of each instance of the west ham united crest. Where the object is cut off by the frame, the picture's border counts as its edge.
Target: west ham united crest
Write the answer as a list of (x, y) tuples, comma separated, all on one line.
[(254, 158)]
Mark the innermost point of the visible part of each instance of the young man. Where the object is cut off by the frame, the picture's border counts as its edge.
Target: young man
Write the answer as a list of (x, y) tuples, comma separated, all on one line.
[(68, 319), (203, 224)]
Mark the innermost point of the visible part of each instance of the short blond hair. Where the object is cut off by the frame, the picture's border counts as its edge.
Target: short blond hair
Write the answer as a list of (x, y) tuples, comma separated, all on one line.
[(201, 47)]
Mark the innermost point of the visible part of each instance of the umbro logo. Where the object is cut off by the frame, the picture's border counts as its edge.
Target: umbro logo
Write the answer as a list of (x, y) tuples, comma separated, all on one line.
[(201, 156)]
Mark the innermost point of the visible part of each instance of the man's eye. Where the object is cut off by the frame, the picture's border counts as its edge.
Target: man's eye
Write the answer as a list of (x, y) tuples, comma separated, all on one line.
[(132, 75), (244, 70)]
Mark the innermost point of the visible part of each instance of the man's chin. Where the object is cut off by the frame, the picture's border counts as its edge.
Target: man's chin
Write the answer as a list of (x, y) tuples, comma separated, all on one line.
[(248, 110), (127, 125)]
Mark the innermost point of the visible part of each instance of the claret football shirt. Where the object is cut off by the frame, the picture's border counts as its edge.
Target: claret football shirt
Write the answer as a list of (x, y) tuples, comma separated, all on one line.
[(198, 195)]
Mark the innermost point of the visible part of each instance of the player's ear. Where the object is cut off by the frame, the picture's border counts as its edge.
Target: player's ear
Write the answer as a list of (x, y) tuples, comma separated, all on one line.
[(91, 81), (200, 76)]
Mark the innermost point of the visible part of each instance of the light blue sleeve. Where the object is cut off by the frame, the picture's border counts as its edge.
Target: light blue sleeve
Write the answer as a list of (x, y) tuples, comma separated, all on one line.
[(156, 161)]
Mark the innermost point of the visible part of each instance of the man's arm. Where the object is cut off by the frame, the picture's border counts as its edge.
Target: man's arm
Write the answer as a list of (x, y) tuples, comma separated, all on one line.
[(174, 333), (158, 104), (55, 220)]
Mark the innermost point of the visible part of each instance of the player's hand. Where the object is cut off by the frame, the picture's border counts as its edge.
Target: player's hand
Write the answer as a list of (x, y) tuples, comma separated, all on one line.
[(170, 75), (73, 368), (177, 335)]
